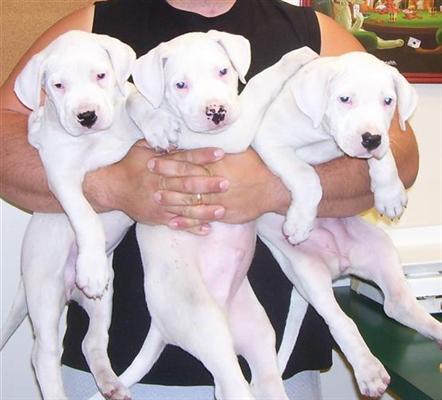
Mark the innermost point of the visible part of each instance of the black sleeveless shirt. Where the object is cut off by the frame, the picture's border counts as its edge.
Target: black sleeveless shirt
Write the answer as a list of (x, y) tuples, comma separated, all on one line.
[(273, 28)]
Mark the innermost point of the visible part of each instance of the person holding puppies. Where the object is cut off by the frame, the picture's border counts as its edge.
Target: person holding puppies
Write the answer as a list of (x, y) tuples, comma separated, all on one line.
[(188, 190)]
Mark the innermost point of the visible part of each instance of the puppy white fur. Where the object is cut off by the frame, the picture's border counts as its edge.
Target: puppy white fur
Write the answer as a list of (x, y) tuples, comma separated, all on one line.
[(334, 106), (82, 125), (196, 287)]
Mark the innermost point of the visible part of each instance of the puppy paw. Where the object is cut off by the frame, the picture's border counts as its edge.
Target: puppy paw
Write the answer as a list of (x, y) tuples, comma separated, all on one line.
[(391, 201), (297, 227), (92, 274), (161, 130), (433, 330), (371, 376), (116, 391)]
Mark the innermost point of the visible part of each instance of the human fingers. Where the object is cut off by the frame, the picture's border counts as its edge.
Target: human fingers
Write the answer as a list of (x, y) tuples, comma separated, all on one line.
[(173, 168), (199, 212), (197, 156), (189, 225), (190, 185)]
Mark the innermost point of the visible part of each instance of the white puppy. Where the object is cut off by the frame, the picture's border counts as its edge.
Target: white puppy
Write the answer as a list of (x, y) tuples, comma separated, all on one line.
[(196, 287), (334, 106), (83, 125)]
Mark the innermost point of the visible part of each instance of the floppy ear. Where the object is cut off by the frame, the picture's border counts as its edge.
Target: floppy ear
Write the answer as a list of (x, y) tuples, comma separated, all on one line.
[(148, 74), (310, 89), (28, 83), (407, 97), (237, 48), (122, 58)]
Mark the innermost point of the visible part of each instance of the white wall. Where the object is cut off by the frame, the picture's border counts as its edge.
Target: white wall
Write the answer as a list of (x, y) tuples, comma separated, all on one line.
[(425, 210)]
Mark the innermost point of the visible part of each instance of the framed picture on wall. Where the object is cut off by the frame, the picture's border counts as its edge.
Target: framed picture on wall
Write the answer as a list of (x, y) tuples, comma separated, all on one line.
[(406, 34)]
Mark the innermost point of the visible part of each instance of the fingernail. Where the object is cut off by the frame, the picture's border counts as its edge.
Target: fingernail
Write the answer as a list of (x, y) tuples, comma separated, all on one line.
[(205, 228), (224, 185), (219, 213), (173, 224), (151, 164), (157, 197), (218, 153)]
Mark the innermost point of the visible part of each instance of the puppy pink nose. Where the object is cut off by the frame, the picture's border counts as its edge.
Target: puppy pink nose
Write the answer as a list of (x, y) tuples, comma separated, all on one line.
[(216, 113)]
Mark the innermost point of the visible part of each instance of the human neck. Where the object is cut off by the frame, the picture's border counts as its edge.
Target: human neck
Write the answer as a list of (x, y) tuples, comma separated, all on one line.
[(207, 8)]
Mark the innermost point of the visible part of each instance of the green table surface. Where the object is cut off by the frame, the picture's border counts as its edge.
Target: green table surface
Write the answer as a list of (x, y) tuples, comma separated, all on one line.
[(411, 359)]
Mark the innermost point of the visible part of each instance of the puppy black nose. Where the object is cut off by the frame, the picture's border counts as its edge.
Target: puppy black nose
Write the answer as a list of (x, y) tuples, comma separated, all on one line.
[(371, 142), (87, 118), (216, 113)]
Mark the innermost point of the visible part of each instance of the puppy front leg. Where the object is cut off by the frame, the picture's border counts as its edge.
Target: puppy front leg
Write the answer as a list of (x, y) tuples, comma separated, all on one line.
[(303, 183), (390, 196), (92, 274), (159, 126)]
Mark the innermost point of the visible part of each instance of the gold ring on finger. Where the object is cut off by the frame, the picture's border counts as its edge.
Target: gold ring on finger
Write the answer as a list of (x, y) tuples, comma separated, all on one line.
[(198, 199)]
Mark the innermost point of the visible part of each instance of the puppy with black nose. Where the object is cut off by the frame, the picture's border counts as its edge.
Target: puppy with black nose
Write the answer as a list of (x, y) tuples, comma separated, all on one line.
[(335, 106), (81, 125)]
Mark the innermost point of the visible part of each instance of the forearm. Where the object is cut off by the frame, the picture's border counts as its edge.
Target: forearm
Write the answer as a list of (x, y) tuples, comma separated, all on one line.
[(346, 187), (23, 180)]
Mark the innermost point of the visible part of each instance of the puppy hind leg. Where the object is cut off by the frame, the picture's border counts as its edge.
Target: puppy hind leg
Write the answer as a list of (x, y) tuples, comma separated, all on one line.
[(254, 339), (383, 266), (95, 344), (211, 343), (45, 311), (315, 283), (200, 327)]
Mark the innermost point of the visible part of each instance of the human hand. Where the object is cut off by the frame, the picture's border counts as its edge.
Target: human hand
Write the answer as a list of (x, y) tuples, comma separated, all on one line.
[(131, 186), (252, 190)]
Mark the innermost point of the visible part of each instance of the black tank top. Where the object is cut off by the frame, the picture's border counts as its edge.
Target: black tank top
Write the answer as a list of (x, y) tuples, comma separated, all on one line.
[(273, 28)]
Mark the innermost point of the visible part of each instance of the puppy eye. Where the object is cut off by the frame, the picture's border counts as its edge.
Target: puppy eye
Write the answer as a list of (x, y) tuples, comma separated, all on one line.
[(101, 76), (223, 71), (344, 99), (59, 85), (181, 85), (388, 101)]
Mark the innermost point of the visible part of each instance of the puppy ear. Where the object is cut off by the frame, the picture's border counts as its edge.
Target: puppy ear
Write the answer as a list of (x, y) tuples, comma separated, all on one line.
[(148, 74), (407, 97), (28, 83), (122, 58), (310, 89), (237, 48)]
